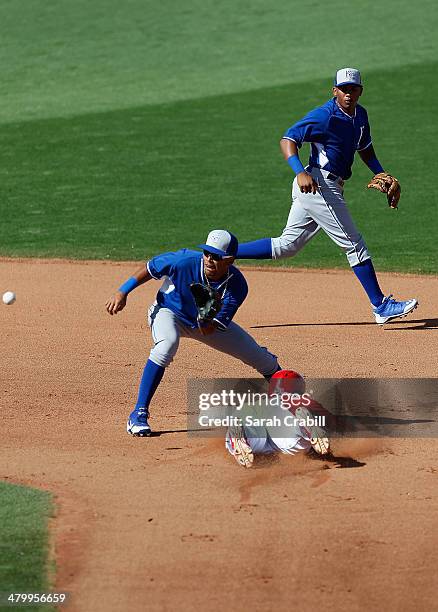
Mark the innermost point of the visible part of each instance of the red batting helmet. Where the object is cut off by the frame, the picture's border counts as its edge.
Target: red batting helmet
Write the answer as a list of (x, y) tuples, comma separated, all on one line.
[(286, 381)]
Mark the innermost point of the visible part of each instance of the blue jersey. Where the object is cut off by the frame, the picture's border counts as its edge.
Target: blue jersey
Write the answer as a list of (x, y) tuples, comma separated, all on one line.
[(184, 267), (334, 136)]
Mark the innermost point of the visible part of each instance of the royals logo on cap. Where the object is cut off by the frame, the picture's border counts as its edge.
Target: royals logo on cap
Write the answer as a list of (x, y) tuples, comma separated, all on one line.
[(221, 242), (215, 238), (347, 76)]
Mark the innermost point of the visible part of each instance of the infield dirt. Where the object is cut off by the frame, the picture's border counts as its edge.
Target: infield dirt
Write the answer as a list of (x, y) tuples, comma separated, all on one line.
[(171, 522)]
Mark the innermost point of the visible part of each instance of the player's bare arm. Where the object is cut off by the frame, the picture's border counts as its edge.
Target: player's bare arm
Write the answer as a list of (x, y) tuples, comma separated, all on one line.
[(117, 301), (306, 182)]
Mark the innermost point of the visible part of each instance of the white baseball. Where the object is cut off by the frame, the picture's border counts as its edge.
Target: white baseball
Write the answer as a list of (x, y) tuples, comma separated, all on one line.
[(9, 297)]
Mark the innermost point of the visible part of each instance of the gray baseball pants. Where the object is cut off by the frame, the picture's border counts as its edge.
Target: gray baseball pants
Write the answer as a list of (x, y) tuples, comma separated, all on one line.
[(325, 210), (167, 329)]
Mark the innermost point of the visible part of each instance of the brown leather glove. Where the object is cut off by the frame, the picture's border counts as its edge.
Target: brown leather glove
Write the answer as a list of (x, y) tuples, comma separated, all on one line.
[(386, 183)]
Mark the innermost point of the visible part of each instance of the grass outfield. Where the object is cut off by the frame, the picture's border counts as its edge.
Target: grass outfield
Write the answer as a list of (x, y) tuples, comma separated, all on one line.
[(121, 140), (61, 58), (24, 515)]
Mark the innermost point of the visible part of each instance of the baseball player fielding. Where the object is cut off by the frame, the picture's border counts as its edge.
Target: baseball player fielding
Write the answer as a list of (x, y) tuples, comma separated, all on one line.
[(335, 131), (176, 313)]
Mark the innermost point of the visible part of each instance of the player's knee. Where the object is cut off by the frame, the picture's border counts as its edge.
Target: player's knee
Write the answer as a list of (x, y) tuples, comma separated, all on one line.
[(163, 352), (285, 246)]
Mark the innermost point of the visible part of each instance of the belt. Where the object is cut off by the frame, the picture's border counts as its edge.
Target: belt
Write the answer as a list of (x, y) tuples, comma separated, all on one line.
[(329, 175)]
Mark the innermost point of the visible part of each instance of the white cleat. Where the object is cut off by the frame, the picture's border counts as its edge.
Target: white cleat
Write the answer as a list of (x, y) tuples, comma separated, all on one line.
[(321, 445), (390, 309), (317, 435), (137, 424), (238, 446)]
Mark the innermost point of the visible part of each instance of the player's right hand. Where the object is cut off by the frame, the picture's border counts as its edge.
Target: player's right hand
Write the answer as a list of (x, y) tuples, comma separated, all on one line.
[(306, 183), (116, 303)]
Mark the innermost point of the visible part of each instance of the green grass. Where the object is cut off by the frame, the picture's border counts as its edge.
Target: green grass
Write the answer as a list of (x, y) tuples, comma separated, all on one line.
[(24, 515), (128, 133), (60, 57)]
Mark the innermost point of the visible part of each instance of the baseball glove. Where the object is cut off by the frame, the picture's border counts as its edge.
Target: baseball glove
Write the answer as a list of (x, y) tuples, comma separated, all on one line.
[(207, 300), (386, 183)]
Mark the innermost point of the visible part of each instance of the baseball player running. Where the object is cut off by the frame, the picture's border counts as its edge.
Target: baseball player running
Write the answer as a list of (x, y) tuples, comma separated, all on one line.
[(200, 294), (290, 437), (335, 131)]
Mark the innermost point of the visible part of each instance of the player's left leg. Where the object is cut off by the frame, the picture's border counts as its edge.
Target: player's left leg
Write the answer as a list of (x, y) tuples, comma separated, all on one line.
[(243, 442), (235, 341), (330, 211)]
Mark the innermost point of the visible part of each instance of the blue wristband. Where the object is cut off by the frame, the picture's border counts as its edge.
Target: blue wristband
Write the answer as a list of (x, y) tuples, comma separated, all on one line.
[(375, 166), (129, 285), (295, 164)]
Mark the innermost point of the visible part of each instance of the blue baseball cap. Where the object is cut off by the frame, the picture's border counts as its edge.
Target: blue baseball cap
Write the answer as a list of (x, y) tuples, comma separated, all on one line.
[(347, 76), (221, 242)]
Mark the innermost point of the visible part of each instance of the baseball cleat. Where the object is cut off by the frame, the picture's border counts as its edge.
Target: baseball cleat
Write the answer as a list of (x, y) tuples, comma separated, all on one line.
[(321, 445), (137, 424), (391, 309), (317, 435), (238, 446)]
